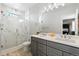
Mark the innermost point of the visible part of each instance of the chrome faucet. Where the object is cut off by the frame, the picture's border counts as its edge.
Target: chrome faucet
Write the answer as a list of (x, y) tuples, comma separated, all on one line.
[(67, 36)]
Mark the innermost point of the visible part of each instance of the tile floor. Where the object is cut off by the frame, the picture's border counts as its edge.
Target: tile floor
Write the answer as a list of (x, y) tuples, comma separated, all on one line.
[(19, 52)]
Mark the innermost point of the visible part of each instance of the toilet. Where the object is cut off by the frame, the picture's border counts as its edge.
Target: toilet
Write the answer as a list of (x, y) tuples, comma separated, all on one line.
[(26, 46)]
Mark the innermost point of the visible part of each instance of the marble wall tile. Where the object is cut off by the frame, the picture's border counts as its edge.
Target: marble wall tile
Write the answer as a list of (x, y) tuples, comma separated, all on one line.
[(12, 32)]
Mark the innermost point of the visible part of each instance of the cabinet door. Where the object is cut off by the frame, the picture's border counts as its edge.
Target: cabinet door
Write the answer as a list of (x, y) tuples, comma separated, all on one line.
[(41, 53), (34, 39), (67, 54), (42, 41), (42, 48), (53, 52), (63, 47), (34, 47)]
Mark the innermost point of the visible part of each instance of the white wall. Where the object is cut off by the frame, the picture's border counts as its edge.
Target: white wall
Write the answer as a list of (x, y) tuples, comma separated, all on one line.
[(34, 14)]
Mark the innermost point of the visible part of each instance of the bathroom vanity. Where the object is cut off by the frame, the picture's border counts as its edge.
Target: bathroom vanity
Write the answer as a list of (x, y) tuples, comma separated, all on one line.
[(51, 46)]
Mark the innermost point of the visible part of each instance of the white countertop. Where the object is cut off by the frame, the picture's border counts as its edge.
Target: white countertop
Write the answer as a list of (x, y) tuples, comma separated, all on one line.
[(54, 39)]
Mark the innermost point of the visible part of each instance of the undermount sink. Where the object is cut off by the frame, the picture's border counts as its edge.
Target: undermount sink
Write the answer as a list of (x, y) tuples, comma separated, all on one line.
[(42, 34)]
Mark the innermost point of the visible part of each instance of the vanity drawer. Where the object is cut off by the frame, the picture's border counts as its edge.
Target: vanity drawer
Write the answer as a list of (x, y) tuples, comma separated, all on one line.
[(67, 54), (53, 52), (41, 53), (42, 41), (34, 51), (34, 39), (67, 48), (42, 48)]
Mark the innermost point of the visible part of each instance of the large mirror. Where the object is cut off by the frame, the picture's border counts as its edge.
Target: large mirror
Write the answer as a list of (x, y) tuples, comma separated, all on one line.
[(69, 26)]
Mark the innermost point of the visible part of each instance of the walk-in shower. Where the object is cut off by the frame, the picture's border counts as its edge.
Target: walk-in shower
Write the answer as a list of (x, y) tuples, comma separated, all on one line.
[(13, 27)]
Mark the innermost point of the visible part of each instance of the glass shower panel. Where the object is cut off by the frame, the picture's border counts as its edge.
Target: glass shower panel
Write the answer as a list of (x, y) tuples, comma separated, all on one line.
[(13, 28), (8, 31)]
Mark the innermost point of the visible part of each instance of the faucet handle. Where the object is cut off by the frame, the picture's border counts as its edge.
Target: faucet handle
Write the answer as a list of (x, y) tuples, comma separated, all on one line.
[(65, 35), (69, 36)]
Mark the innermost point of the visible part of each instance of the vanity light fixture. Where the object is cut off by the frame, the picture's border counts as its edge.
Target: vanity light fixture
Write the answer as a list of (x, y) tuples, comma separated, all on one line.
[(58, 4), (51, 6)]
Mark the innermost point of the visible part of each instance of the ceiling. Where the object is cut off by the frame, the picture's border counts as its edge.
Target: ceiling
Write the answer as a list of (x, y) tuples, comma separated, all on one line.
[(20, 6), (24, 6)]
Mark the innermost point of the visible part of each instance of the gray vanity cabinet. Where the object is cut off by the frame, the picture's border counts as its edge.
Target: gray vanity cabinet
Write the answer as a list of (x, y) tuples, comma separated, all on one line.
[(42, 47), (66, 49), (38, 46)]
